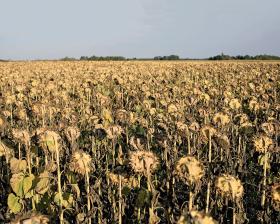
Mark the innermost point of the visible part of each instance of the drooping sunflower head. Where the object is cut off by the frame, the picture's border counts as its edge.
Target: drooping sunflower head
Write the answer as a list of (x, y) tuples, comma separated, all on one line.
[(207, 131), (50, 140), (222, 140), (275, 194), (2, 122), (234, 104), (189, 169), (229, 186), (122, 116), (221, 119), (32, 218), (114, 131), (262, 143), (80, 162), (6, 151), (144, 162), (196, 217), (269, 128), (254, 105), (21, 136), (72, 134), (130, 182)]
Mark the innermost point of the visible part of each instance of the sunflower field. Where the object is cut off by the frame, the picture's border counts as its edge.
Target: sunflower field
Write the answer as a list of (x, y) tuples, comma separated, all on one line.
[(140, 142)]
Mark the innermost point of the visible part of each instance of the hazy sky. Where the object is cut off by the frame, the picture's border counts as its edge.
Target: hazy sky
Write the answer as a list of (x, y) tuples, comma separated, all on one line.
[(37, 29)]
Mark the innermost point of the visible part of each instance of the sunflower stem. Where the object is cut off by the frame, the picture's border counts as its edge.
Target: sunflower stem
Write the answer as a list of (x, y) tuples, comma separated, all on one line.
[(59, 184), (264, 179), (120, 200), (88, 196)]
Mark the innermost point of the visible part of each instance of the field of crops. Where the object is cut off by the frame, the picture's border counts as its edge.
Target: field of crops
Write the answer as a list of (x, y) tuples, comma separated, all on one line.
[(140, 142)]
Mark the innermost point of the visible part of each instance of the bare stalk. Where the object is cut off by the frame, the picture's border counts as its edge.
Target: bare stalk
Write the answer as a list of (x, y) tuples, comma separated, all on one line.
[(120, 200), (59, 183), (209, 182), (88, 195), (264, 178)]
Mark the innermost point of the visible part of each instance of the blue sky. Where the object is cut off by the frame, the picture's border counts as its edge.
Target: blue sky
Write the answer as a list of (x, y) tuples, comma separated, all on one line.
[(38, 29)]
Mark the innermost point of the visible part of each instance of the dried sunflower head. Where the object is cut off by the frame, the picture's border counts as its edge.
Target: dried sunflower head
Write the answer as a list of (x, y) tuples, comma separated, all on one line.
[(144, 162), (72, 134), (222, 140), (221, 119), (234, 104), (189, 169), (207, 131), (194, 127), (262, 143), (254, 105), (49, 140), (80, 162), (22, 136), (172, 109), (114, 131), (6, 151), (130, 182), (229, 186), (269, 128), (182, 128), (21, 114), (196, 217), (275, 194), (31, 218), (2, 123), (241, 118), (122, 116)]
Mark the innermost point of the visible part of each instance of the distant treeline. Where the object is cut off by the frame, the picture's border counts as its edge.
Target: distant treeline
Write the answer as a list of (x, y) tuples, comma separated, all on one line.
[(170, 57), (244, 57), (175, 57), (101, 58), (120, 58), (221, 56)]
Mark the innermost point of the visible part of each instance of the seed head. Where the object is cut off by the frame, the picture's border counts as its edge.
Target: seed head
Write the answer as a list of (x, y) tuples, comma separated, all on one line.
[(275, 193), (262, 143), (72, 134), (196, 217), (49, 140), (234, 104), (130, 182), (221, 119), (30, 218), (207, 131), (189, 169), (230, 186), (80, 162), (21, 135), (144, 162), (269, 128)]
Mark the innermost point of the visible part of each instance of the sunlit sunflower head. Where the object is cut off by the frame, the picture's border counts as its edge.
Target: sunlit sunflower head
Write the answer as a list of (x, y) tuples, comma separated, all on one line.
[(275, 194), (72, 134), (234, 104), (21, 136), (144, 162), (189, 169), (50, 141), (207, 131), (229, 186), (130, 182), (31, 218), (80, 162), (262, 143), (196, 217), (221, 119)]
